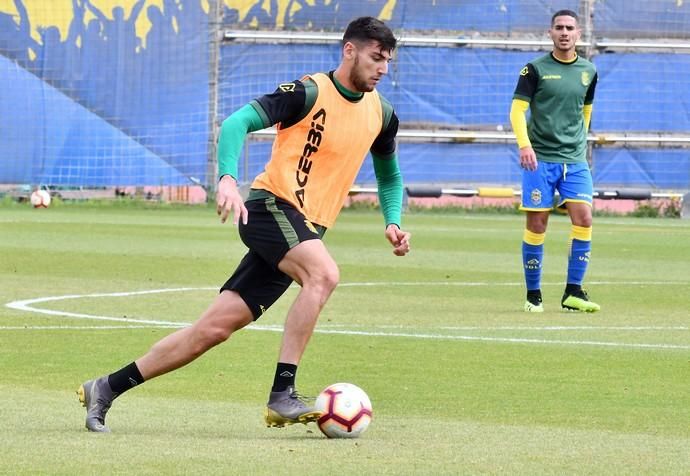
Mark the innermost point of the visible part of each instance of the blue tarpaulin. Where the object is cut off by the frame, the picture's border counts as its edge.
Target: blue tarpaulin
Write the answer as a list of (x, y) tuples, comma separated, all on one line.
[(113, 109)]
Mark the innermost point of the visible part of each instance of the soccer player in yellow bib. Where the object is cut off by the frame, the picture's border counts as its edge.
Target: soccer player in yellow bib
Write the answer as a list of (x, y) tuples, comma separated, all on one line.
[(327, 123), (558, 89)]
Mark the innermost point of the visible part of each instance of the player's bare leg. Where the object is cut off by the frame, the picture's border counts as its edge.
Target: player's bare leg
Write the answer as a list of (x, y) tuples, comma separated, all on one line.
[(311, 266), (225, 315)]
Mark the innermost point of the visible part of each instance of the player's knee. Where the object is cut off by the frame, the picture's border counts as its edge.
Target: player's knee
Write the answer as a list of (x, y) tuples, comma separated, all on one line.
[(583, 220), (537, 229), (537, 226), (332, 278), (216, 335), (326, 279), (537, 222), (210, 335)]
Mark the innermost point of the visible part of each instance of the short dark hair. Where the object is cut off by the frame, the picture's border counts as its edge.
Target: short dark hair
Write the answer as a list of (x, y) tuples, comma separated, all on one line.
[(366, 29), (564, 13)]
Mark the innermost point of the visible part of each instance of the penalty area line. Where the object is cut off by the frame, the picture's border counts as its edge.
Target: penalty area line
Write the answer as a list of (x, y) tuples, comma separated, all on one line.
[(26, 306)]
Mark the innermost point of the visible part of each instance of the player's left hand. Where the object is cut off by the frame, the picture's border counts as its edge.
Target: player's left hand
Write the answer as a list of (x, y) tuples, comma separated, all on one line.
[(399, 239)]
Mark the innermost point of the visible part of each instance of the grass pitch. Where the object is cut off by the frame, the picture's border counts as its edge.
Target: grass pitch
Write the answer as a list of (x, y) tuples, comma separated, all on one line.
[(461, 380)]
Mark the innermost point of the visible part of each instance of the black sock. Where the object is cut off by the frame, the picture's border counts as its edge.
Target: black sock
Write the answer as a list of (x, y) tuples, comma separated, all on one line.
[(125, 378), (534, 296), (285, 376), (572, 288)]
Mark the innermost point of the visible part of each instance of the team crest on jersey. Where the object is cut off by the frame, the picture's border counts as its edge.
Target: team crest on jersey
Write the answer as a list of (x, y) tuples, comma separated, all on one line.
[(287, 87), (535, 196), (524, 71), (311, 226), (585, 79)]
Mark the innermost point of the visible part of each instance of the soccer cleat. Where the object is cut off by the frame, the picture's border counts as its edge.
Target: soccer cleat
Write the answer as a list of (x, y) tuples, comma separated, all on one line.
[(533, 302), (532, 307), (288, 407), (579, 301), (97, 396)]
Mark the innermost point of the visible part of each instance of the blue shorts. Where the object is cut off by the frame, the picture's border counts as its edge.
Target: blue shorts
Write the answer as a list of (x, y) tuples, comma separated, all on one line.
[(572, 181)]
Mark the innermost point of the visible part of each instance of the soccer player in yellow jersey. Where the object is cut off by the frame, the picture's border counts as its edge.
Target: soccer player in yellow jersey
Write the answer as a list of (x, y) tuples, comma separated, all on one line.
[(326, 125), (558, 89)]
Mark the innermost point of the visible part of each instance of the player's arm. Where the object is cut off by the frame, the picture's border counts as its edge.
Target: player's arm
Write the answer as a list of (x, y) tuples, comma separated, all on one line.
[(526, 86), (388, 177), (389, 181), (589, 100), (283, 105), (518, 119), (390, 187), (233, 132)]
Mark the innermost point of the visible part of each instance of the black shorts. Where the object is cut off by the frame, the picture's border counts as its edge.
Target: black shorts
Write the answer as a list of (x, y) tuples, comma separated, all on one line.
[(274, 226)]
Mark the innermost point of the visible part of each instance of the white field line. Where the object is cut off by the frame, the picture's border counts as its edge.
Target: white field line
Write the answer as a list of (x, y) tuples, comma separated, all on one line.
[(483, 339), (566, 328), (27, 306), (270, 328), (86, 328), (480, 284)]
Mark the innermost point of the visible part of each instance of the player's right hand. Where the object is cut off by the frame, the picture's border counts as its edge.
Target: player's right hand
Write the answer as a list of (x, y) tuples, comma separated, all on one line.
[(528, 159), (228, 199)]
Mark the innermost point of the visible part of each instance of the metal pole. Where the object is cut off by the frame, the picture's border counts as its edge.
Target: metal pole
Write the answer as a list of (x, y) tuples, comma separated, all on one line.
[(215, 39), (587, 47), (587, 26)]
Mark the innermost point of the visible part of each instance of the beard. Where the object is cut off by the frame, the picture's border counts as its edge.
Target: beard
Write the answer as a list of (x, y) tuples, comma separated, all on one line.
[(569, 44), (358, 81)]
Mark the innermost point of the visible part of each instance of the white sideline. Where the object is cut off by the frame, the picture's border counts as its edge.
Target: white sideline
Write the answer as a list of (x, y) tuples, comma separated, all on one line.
[(27, 306)]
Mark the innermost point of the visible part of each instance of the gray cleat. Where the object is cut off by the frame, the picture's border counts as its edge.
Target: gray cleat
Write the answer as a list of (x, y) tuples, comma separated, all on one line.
[(289, 407), (97, 396)]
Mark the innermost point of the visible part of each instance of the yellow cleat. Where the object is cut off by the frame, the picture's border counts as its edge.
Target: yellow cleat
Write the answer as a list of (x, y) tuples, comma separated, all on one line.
[(274, 419), (287, 408), (579, 301)]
